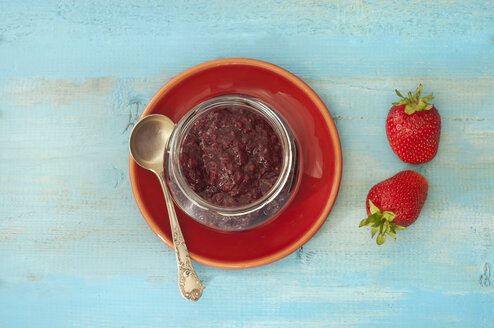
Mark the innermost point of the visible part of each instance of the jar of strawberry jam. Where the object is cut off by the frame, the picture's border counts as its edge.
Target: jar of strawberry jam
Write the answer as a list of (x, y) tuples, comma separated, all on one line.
[(232, 163)]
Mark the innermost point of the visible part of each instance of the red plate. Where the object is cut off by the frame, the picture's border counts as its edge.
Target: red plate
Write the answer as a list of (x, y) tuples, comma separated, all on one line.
[(321, 151)]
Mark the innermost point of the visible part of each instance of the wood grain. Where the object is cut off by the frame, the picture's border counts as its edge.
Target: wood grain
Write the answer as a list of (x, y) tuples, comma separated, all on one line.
[(74, 249)]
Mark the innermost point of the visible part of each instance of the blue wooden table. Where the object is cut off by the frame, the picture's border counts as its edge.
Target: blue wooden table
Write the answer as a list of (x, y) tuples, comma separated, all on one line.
[(75, 75)]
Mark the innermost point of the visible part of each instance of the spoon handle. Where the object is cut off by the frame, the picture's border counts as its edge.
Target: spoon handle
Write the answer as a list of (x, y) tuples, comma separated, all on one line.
[(188, 281)]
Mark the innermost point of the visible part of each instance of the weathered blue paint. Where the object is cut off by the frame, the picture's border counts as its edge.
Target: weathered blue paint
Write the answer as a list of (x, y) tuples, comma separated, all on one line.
[(74, 249)]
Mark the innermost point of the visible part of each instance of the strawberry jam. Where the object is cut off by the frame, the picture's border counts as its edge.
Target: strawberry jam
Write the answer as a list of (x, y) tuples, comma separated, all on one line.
[(231, 157)]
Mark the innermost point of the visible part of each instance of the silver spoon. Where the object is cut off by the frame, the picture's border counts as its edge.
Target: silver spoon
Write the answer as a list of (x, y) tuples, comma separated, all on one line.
[(148, 141)]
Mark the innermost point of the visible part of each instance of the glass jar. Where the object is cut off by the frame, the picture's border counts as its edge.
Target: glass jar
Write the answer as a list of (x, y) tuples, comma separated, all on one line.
[(244, 217)]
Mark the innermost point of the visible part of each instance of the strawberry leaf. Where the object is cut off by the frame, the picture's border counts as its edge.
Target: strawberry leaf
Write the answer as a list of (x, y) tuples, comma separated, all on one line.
[(417, 93), (391, 232), (375, 220), (380, 223), (398, 227), (364, 222), (373, 208), (384, 227), (381, 238), (428, 98), (389, 216), (414, 103)]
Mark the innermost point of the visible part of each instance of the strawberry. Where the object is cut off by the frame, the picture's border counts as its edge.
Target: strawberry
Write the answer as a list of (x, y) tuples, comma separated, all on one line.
[(413, 128), (394, 204)]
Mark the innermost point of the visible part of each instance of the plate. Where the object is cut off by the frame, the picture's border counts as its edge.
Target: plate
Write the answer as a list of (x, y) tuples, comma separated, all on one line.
[(321, 151)]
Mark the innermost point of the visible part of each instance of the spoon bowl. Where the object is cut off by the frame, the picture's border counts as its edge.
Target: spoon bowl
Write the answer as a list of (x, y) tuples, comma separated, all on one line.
[(147, 144), (148, 141)]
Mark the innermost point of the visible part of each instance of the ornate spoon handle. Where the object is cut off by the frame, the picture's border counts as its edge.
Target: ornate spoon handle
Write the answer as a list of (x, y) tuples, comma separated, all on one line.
[(188, 281)]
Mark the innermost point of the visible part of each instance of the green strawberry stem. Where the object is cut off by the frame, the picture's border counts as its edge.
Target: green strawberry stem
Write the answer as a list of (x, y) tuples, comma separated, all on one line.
[(414, 103), (382, 223)]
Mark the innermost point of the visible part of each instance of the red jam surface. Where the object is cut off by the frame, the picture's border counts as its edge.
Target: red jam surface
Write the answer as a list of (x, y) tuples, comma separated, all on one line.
[(231, 157)]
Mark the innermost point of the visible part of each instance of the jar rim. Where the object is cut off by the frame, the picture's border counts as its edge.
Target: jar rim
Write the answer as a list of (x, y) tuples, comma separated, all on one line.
[(280, 127)]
